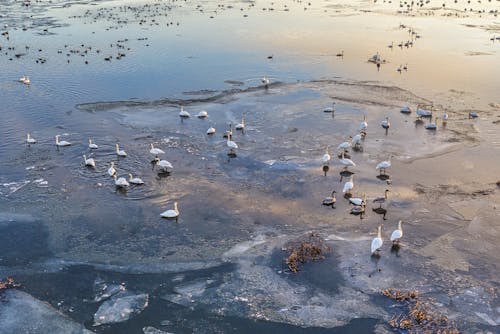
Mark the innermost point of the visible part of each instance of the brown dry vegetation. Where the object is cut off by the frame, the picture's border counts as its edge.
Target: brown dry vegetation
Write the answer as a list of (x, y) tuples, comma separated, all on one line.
[(310, 248)]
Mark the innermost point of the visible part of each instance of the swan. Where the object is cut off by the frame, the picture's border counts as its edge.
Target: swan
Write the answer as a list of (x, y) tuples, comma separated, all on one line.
[(445, 116), (423, 113), (88, 162), (29, 139), (265, 82), (171, 213), (330, 200), (62, 143), (330, 109), (120, 182), (112, 170), (183, 113), (134, 180), (165, 166), (345, 145), (348, 186), (430, 125), (211, 130), (23, 78), (473, 114), (326, 157), (228, 133), (382, 166), (202, 114), (377, 242), (155, 150), (386, 124), (119, 152), (346, 162), (92, 145), (231, 144), (363, 125), (382, 200), (397, 234), (358, 201), (356, 140), (405, 110), (240, 126)]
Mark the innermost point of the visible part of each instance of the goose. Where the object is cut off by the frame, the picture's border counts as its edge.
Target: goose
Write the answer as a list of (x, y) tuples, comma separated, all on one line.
[(405, 110), (211, 130), (345, 145), (202, 114), (61, 143), (171, 213), (134, 180), (430, 125), (386, 124), (92, 145), (112, 170), (358, 201), (346, 162), (377, 241), (240, 126), (165, 166), (228, 133), (154, 150), (29, 139), (183, 113), (88, 162), (231, 144), (382, 200), (330, 200), (363, 125), (423, 113), (382, 166), (326, 157), (473, 114), (397, 234), (340, 54), (330, 109), (348, 186), (120, 182), (358, 210), (120, 153)]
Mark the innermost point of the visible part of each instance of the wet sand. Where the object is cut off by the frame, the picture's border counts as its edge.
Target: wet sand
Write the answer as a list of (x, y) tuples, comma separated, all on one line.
[(220, 267)]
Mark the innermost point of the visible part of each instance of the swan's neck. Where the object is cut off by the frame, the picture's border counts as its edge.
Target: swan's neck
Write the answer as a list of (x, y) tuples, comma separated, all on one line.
[(175, 207), (57, 139), (379, 234), (130, 176), (399, 226)]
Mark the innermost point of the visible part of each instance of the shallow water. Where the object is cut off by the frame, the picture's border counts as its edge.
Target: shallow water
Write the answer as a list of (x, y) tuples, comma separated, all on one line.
[(220, 267)]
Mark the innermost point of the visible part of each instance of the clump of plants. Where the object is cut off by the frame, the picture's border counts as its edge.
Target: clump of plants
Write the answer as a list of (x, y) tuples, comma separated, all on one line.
[(305, 249)]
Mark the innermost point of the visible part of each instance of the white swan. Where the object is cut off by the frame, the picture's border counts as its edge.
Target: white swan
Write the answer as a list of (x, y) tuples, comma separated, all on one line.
[(445, 116), (423, 113), (202, 114), (171, 213), (431, 125), (326, 157), (62, 143), (112, 170), (211, 130), (345, 145), (232, 145), (183, 113), (377, 241), (88, 162), (92, 145), (120, 153), (346, 162), (405, 110), (358, 201), (228, 133), (363, 125), (382, 166), (120, 182), (397, 234), (25, 80), (29, 139), (330, 109), (385, 123), (348, 186), (154, 150), (265, 81), (134, 180), (165, 166), (356, 140), (240, 126)]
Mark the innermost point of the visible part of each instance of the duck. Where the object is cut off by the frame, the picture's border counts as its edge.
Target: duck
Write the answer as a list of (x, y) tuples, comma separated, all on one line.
[(171, 213), (330, 200), (385, 123), (111, 169), (134, 180), (165, 166), (405, 110), (88, 162), (358, 201), (62, 143), (430, 125), (382, 200), (30, 140), (397, 234), (154, 150), (211, 130), (183, 113), (202, 114), (120, 182), (384, 165), (330, 109), (326, 157), (348, 186), (231, 144), (346, 162), (92, 146), (345, 145), (240, 126), (377, 241), (120, 153)]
